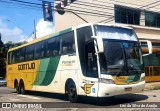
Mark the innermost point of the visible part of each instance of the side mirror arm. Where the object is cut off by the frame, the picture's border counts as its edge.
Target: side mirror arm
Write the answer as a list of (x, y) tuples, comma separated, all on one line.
[(99, 42)]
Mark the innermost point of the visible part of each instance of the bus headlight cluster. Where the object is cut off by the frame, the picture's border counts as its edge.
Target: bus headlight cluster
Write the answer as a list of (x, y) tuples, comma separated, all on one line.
[(107, 81), (142, 78)]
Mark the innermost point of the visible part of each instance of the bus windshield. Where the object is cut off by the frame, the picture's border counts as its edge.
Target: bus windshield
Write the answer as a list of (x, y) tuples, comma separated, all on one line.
[(119, 33), (121, 56), (122, 52)]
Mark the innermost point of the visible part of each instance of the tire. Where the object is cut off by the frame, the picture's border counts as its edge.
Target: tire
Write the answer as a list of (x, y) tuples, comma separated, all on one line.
[(22, 88), (71, 92), (17, 88)]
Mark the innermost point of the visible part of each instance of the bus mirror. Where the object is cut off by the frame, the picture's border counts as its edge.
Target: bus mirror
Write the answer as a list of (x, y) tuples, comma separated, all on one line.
[(146, 54), (99, 42), (149, 46)]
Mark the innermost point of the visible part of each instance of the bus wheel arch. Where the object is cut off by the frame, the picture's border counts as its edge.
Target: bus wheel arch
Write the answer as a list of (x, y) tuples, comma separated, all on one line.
[(22, 86), (71, 91)]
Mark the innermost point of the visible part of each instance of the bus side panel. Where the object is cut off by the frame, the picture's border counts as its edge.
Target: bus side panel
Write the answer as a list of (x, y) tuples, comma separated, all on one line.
[(26, 71), (48, 77), (69, 70), (10, 76), (59, 71)]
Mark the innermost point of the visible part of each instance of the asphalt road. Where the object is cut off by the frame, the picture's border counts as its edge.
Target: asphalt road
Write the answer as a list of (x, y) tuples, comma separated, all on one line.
[(38, 101)]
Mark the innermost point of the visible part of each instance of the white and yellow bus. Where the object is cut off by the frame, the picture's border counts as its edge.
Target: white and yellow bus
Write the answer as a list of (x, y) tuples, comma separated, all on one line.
[(95, 60)]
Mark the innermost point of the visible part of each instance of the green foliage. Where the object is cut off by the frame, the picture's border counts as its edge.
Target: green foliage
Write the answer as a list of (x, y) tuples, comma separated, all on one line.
[(10, 44), (156, 88), (3, 55)]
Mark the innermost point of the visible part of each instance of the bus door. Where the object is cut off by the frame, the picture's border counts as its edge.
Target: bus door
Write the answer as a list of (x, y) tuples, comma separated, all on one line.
[(91, 73)]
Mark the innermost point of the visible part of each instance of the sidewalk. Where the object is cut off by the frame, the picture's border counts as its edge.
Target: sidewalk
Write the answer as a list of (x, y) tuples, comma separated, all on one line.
[(152, 85)]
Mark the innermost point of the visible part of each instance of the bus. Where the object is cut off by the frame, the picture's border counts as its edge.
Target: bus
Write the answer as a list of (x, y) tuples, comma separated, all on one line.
[(151, 57), (95, 60)]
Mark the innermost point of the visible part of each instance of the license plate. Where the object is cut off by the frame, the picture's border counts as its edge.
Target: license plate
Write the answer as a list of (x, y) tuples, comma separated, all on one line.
[(128, 89)]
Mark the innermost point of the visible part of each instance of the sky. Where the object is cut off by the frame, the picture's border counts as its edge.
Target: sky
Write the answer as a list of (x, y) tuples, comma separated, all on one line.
[(17, 21)]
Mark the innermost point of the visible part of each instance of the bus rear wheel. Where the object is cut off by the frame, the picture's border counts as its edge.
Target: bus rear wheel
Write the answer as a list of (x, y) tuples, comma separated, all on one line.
[(22, 88), (71, 92), (17, 87)]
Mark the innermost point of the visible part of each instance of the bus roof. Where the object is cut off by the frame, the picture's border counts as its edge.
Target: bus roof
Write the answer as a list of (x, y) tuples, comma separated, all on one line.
[(112, 25), (65, 31), (42, 38)]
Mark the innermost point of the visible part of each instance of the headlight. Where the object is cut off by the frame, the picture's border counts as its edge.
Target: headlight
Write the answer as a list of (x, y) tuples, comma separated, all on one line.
[(107, 81), (142, 79)]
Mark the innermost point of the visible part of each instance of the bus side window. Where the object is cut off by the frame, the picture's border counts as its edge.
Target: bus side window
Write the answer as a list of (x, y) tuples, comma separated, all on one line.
[(22, 54), (9, 58), (74, 48), (14, 57), (30, 52), (53, 46), (67, 43), (39, 50), (64, 50), (91, 60)]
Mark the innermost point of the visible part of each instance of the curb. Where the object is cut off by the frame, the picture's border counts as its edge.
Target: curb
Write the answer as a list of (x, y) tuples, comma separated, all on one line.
[(152, 86)]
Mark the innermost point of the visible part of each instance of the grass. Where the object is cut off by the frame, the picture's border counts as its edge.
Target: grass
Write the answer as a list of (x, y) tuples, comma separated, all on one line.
[(156, 88)]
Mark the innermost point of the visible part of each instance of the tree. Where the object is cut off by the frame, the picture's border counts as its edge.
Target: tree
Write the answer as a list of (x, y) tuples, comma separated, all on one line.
[(3, 54)]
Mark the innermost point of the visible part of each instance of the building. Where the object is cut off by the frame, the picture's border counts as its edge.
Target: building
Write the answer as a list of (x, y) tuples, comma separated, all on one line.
[(143, 16)]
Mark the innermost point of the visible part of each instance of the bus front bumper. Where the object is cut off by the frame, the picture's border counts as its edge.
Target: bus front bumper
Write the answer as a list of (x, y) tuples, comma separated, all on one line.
[(107, 90)]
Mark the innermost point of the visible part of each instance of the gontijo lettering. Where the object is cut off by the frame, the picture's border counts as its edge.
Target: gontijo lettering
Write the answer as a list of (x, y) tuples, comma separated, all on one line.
[(27, 66)]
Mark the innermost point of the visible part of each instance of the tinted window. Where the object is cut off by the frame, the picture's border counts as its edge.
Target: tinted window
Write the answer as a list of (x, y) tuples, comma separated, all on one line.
[(30, 52), (91, 60), (15, 55), (21, 54), (67, 43), (9, 57), (53, 46), (152, 19), (127, 15), (40, 50), (83, 36)]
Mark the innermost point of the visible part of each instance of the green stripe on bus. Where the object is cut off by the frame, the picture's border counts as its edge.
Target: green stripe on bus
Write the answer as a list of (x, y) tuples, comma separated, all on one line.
[(41, 71), (133, 78), (65, 31), (61, 32), (51, 70)]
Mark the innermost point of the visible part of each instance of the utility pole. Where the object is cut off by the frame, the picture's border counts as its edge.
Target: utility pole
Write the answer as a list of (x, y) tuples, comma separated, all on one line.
[(35, 30)]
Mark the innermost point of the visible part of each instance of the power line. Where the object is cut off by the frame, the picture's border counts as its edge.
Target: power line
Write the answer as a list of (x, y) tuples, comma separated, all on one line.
[(25, 2), (153, 6), (90, 12), (112, 17), (141, 7), (81, 11), (94, 5), (34, 5), (19, 4), (96, 11), (103, 2), (129, 3), (150, 4), (85, 12)]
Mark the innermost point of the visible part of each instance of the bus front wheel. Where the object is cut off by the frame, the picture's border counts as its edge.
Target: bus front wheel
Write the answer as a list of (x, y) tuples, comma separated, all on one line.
[(71, 92)]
